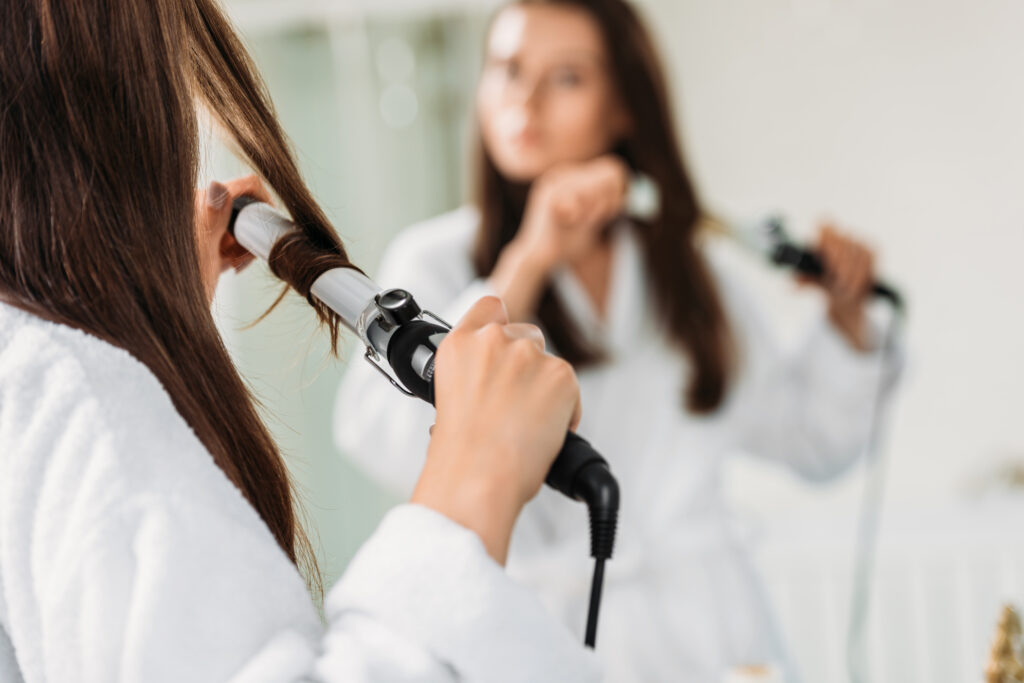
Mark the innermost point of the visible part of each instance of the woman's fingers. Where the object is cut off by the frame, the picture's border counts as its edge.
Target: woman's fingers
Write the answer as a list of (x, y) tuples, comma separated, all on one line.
[(849, 266), (837, 263), (552, 365), (218, 249), (574, 202), (865, 270), (218, 198), (513, 357), (489, 309), (240, 261), (503, 406), (249, 186), (234, 254), (218, 201), (526, 331), (849, 273)]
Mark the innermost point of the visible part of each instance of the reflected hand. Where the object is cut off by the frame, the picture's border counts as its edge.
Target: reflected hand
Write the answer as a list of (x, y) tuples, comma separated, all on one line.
[(565, 212), (848, 281), (569, 205)]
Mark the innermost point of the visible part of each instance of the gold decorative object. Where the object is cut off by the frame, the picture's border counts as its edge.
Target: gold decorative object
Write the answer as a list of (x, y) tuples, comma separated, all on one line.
[(1005, 659)]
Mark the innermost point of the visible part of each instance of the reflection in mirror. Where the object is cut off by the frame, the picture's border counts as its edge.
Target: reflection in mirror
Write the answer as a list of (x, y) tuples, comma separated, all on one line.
[(466, 149)]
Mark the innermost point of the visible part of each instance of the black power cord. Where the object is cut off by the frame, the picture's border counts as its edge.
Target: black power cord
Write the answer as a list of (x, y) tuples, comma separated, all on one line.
[(596, 587), (595, 485)]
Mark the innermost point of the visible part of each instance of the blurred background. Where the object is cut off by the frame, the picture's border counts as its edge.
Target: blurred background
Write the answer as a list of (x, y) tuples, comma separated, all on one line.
[(903, 121)]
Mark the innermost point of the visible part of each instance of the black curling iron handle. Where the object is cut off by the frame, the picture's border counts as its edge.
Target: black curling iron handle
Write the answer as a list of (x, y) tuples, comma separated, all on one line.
[(575, 455), (579, 471), (809, 263)]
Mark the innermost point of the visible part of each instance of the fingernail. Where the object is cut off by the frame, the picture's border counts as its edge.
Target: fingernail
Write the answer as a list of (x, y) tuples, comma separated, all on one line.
[(216, 195)]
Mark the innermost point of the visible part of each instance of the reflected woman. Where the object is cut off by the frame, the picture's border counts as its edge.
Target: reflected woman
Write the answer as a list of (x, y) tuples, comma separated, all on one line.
[(676, 364)]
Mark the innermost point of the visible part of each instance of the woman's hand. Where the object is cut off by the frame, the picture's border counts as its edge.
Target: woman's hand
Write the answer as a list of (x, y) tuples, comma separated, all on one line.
[(850, 274), (218, 249), (565, 212), (503, 408), (569, 205)]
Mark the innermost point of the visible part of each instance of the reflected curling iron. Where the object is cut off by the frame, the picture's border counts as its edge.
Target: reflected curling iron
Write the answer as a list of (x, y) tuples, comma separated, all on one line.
[(768, 237), (400, 336)]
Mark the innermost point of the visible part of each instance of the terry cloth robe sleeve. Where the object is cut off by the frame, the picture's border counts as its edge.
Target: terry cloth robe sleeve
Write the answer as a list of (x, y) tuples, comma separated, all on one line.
[(126, 554)]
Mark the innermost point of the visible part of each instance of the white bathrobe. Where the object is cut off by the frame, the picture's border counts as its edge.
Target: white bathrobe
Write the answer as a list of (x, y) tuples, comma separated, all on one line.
[(681, 602), (127, 555)]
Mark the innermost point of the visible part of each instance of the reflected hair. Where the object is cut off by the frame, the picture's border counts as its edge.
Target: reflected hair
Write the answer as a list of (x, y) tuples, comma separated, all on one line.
[(99, 150), (685, 296)]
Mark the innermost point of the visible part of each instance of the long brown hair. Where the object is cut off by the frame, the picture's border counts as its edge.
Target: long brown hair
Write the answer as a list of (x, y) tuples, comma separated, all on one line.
[(685, 295), (98, 165)]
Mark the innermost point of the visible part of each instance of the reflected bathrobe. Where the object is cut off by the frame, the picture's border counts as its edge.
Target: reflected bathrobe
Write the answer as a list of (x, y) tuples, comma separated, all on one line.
[(127, 555), (681, 601)]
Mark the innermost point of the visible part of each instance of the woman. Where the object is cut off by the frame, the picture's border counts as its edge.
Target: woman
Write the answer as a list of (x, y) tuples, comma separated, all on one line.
[(148, 529), (676, 368)]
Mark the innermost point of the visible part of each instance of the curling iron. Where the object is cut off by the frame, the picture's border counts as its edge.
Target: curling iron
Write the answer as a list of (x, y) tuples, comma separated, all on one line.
[(400, 336), (770, 238)]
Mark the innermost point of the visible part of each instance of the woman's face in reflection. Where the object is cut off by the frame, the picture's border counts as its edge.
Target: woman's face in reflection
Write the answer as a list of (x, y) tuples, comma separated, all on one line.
[(546, 94)]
